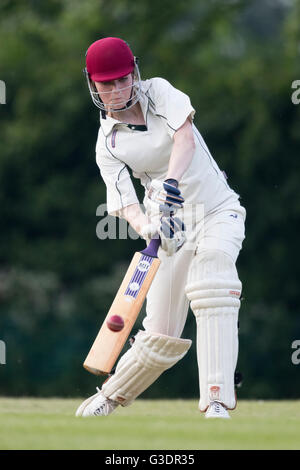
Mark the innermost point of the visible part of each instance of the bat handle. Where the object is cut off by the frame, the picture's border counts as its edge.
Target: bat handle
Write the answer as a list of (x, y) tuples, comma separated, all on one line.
[(152, 248)]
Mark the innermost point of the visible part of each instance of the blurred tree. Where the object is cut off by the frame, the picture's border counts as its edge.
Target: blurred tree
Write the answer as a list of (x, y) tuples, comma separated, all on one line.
[(237, 61)]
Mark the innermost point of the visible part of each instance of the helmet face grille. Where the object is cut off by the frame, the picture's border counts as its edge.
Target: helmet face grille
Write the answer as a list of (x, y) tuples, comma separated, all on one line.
[(134, 98)]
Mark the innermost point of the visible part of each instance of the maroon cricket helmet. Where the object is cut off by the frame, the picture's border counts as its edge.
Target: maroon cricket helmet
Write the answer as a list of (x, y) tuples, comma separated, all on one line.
[(109, 59)]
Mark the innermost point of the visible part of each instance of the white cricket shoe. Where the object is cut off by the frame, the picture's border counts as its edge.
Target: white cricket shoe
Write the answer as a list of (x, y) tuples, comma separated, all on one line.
[(216, 410), (97, 405)]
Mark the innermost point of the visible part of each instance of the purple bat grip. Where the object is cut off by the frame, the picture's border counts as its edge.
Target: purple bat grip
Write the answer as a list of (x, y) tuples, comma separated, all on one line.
[(152, 248)]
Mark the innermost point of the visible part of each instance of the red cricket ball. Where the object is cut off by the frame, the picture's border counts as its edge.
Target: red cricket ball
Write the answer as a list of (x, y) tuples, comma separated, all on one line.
[(115, 323)]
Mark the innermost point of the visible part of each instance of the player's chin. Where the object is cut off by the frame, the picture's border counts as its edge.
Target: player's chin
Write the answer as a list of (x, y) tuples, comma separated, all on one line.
[(117, 106)]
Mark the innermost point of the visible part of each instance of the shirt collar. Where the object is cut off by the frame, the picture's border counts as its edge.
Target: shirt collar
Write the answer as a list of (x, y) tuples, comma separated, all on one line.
[(108, 123)]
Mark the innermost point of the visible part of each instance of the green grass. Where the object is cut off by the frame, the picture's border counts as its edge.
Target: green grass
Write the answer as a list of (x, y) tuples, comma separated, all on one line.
[(28, 423)]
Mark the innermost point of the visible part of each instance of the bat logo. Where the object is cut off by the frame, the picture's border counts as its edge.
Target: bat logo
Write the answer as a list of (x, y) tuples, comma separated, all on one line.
[(134, 286), (143, 266), (138, 278)]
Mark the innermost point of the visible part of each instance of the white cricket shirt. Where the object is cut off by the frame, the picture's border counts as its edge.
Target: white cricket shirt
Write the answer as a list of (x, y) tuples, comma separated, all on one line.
[(147, 152)]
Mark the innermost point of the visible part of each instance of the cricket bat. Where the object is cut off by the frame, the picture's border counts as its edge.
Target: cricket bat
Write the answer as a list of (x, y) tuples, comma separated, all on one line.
[(127, 304)]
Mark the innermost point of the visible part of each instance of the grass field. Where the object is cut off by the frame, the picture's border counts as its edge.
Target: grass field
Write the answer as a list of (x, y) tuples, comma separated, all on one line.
[(50, 424)]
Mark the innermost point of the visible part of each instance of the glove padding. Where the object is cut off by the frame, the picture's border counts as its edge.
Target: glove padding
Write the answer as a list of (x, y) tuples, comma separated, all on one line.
[(162, 202), (172, 234), (167, 196)]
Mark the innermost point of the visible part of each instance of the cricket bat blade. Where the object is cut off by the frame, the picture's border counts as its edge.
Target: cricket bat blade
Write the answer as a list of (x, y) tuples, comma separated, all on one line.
[(127, 304)]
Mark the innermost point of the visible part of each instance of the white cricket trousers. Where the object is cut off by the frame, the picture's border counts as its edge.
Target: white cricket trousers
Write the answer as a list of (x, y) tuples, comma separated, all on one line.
[(167, 305)]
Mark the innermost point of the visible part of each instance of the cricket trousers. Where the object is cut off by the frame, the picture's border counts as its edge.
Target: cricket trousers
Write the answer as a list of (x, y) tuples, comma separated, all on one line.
[(167, 304), (202, 274)]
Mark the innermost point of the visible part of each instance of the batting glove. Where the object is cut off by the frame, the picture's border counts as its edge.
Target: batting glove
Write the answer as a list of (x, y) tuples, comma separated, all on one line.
[(166, 194), (172, 234), (149, 231)]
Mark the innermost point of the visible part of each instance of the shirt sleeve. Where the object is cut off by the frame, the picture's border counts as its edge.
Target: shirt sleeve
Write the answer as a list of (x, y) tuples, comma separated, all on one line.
[(120, 191), (171, 104)]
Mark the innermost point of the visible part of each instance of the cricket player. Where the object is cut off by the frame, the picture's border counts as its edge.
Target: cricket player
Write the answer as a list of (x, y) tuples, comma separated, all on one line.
[(147, 126)]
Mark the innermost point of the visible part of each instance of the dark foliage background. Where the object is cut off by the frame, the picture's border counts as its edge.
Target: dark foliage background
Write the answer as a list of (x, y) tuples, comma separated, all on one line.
[(237, 60)]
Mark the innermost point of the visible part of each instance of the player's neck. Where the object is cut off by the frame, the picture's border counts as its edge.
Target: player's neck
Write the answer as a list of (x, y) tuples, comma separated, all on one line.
[(132, 115)]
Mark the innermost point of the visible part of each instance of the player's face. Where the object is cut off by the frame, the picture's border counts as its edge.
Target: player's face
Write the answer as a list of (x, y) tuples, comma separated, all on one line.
[(116, 93)]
